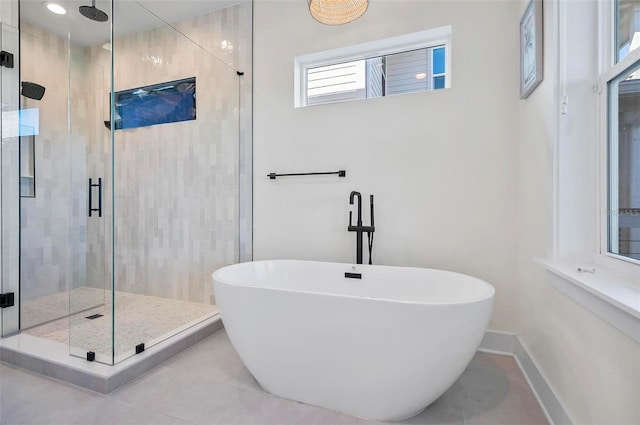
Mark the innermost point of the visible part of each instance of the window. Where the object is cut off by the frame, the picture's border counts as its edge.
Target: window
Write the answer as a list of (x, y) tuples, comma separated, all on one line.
[(404, 64), (624, 163), (438, 72), (622, 79), (399, 73), (173, 101), (332, 83), (627, 33), (589, 150)]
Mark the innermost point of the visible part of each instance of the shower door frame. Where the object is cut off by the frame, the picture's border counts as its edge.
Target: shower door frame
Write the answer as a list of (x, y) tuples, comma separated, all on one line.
[(9, 181)]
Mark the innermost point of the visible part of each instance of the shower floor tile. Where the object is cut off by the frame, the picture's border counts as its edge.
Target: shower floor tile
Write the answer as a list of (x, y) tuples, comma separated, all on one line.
[(208, 384), (138, 319), (54, 306)]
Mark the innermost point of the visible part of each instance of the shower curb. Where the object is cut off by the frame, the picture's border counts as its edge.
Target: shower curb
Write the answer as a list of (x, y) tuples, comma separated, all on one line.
[(99, 377), (509, 344)]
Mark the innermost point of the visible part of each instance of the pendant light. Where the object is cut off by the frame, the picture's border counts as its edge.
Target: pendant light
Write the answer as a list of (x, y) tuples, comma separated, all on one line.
[(337, 12)]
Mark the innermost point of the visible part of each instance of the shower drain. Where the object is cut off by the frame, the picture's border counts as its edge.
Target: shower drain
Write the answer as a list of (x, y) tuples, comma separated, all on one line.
[(94, 316)]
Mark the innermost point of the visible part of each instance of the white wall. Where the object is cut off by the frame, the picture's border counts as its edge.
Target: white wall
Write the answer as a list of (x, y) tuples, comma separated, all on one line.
[(440, 164), (463, 178), (594, 368)]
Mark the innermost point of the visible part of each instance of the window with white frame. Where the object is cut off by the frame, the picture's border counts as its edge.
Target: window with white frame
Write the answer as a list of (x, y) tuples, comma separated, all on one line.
[(621, 101), (604, 283), (405, 64)]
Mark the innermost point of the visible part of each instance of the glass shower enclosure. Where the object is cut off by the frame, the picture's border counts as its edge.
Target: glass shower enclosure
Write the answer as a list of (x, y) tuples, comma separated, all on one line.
[(136, 145)]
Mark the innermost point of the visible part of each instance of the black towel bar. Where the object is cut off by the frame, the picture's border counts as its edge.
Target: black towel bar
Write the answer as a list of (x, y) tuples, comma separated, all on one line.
[(340, 173)]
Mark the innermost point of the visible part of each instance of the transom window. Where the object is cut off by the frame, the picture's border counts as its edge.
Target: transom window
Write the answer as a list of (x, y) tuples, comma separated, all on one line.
[(399, 73), (405, 64)]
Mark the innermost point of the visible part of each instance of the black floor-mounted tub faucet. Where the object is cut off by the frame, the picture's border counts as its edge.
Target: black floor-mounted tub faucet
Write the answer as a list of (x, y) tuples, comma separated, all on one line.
[(359, 228)]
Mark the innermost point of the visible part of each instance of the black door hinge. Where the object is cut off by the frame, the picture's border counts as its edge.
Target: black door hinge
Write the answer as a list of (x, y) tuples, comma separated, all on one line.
[(6, 59), (7, 300)]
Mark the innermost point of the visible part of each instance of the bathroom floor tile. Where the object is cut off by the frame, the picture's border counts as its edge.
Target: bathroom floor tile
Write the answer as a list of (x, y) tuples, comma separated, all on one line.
[(445, 410), (193, 397), (111, 411), (209, 384), (494, 391), (260, 407), (215, 357), (29, 398)]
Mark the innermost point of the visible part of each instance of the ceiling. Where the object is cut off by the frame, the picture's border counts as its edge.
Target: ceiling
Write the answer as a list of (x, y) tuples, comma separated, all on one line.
[(130, 16)]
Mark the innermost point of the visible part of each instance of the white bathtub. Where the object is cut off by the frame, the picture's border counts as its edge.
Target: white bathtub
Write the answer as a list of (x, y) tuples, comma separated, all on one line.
[(382, 347)]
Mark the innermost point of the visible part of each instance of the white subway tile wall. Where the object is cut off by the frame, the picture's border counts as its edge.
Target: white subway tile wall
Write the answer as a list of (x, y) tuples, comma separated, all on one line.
[(177, 186)]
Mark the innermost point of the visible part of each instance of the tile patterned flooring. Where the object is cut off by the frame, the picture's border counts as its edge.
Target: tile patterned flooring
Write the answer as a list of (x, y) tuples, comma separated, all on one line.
[(208, 384), (54, 306), (138, 318)]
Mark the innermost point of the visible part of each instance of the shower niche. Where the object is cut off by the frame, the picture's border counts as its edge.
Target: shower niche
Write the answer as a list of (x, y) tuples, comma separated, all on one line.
[(27, 166), (170, 197)]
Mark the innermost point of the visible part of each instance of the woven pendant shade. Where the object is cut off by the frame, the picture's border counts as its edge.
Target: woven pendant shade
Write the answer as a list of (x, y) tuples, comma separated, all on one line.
[(337, 12)]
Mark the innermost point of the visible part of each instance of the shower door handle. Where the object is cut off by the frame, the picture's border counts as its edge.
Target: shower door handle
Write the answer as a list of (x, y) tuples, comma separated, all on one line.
[(99, 186)]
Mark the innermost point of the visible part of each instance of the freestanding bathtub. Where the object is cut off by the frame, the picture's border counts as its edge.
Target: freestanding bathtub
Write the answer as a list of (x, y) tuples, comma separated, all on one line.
[(383, 346)]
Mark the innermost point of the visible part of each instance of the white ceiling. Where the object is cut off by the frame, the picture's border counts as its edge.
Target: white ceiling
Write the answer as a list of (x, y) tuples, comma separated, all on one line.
[(130, 16)]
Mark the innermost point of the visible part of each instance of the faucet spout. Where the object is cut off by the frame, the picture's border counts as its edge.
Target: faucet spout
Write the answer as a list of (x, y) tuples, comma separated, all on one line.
[(357, 195), (359, 228)]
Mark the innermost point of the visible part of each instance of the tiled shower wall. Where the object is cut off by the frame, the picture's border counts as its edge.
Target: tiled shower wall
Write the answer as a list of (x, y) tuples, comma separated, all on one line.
[(45, 219), (228, 35), (177, 186)]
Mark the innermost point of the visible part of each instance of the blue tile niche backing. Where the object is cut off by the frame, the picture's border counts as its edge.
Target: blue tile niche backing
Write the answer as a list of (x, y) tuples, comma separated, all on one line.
[(173, 101)]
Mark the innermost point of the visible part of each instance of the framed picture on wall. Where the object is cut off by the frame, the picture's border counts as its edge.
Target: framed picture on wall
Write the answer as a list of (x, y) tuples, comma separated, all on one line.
[(531, 48)]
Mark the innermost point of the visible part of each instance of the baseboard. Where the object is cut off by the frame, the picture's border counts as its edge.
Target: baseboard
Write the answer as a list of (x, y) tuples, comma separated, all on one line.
[(510, 344)]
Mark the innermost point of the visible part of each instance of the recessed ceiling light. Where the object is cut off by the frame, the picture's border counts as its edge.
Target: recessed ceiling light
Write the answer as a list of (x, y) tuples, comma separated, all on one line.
[(55, 8)]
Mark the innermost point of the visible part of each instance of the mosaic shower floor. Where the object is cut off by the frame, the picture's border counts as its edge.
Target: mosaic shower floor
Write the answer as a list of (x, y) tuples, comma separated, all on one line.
[(138, 319), (55, 306)]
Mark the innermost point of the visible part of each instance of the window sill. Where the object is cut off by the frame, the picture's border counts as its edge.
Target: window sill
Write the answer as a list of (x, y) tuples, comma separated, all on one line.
[(609, 295)]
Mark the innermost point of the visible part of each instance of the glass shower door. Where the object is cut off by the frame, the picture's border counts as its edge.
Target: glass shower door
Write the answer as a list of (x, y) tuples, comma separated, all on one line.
[(90, 68), (9, 190), (176, 168), (44, 230), (91, 329), (65, 256)]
